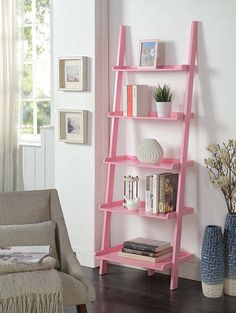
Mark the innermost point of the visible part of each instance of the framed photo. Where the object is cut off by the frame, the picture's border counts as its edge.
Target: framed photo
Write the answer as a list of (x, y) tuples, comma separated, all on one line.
[(73, 126), (72, 73), (148, 53)]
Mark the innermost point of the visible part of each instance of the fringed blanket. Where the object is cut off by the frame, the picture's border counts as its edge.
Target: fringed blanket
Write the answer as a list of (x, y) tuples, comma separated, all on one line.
[(31, 292)]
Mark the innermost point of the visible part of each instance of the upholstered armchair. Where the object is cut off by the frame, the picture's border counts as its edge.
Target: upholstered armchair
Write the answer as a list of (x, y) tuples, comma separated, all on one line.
[(29, 207)]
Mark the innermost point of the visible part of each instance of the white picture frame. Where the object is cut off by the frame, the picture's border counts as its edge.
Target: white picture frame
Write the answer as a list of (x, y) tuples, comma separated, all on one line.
[(72, 73), (73, 126), (148, 53)]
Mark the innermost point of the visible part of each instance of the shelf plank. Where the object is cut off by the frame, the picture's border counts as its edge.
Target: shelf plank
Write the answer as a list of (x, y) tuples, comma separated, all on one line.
[(117, 207), (175, 116), (160, 68), (110, 255), (131, 160)]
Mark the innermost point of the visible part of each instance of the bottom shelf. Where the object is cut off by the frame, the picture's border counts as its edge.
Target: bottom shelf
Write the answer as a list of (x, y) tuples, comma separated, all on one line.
[(110, 255)]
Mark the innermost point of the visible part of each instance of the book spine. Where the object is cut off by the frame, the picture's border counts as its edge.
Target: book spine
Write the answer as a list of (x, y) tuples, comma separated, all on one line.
[(139, 246), (161, 204), (124, 100), (143, 258), (138, 252), (148, 193), (129, 100), (168, 192), (135, 101), (155, 193), (151, 194)]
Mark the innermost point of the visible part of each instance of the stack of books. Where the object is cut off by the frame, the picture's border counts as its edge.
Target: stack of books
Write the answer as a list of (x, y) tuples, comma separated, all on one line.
[(136, 99), (161, 193), (146, 250)]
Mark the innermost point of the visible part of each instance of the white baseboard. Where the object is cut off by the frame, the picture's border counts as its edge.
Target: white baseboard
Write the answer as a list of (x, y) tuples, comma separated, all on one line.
[(190, 270), (86, 258)]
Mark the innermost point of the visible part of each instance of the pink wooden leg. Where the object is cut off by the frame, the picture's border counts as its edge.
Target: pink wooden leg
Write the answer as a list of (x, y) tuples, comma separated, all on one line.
[(151, 272), (183, 159), (103, 267)]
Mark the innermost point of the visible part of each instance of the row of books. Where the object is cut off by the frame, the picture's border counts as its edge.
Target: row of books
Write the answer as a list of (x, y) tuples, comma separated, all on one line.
[(136, 99), (161, 192), (146, 250)]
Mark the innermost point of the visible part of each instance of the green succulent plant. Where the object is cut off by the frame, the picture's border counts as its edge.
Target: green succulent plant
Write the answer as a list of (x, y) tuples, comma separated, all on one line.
[(163, 93)]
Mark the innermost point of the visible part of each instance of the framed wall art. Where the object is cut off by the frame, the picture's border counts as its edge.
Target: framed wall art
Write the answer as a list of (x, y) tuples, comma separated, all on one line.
[(148, 53), (73, 126), (72, 73)]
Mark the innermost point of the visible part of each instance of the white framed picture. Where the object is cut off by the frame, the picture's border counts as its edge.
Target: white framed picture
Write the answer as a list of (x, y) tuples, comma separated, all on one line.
[(73, 126), (72, 73), (148, 53)]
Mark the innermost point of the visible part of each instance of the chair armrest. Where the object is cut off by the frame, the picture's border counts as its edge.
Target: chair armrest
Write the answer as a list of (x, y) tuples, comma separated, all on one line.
[(72, 267)]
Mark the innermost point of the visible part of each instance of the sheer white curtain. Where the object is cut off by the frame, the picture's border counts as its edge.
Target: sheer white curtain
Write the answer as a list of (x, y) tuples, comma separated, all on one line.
[(10, 166)]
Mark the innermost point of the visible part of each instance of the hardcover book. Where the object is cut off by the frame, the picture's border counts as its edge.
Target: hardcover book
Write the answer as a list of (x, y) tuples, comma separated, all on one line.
[(168, 187), (144, 258), (136, 100), (141, 106), (149, 193), (145, 244), (151, 254)]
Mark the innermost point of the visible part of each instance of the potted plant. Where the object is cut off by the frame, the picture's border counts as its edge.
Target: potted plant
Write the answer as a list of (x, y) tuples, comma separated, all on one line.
[(221, 166), (163, 96)]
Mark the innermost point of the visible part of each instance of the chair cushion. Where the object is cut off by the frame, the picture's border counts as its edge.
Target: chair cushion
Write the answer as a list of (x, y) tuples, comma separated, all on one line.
[(29, 235), (74, 292)]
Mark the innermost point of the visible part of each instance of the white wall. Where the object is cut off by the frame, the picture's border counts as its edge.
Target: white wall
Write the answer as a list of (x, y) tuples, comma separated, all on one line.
[(38, 161), (80, 29), (213, 101)]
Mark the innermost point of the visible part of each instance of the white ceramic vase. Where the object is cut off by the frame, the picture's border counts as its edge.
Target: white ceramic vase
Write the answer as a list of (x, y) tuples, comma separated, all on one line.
[(163, 109), (149, 151)]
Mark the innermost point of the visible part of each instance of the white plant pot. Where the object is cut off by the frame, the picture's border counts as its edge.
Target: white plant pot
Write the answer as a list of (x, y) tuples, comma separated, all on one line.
[(149, 151), (163, 109)]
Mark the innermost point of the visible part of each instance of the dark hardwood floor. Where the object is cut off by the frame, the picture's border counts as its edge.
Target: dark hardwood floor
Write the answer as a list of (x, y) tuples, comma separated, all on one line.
[(126, 290)]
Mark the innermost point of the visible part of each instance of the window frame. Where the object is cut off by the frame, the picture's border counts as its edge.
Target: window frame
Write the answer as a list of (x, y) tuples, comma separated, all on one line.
[(35, 137)]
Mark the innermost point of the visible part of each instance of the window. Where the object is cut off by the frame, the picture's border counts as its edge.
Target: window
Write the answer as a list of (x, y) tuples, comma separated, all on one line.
[(36, 85)]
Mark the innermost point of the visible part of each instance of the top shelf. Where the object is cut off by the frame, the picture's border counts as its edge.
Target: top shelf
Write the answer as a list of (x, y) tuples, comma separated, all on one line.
[(160, 68)]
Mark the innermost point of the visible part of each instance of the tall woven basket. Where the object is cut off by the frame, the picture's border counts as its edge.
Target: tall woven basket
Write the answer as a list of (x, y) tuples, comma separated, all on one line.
[(212, 262), (230, 255)]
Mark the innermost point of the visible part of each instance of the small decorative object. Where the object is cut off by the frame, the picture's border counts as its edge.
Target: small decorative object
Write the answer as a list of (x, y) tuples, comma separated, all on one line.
[(73, 126), (212, 262), (72, 73), (149, 151), (148, 53), (230, 255), (163, 96), (221, 167), (131, 199)]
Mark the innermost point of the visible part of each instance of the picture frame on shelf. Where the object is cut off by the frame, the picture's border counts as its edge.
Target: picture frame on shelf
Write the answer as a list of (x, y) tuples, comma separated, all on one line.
[(72, 72), (73, 126), (148, 53)]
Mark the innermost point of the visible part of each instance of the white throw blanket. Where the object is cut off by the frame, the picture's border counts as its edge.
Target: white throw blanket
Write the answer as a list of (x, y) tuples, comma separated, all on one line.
[(31, 292)]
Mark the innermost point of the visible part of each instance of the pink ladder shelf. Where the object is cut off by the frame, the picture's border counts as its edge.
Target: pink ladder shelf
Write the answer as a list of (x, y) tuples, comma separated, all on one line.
[(108, 253), (175, 116), (131, 160), (160, 68), (117, 207)]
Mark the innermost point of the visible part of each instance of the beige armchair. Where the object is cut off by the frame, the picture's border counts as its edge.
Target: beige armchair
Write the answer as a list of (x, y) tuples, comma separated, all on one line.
[(28, 207)]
